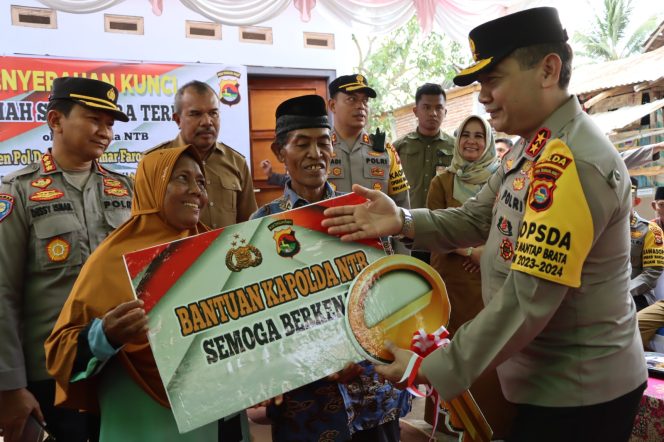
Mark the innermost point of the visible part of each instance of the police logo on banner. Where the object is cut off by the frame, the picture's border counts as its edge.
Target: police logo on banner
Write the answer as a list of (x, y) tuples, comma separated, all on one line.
[(229, 87), (287, 245)]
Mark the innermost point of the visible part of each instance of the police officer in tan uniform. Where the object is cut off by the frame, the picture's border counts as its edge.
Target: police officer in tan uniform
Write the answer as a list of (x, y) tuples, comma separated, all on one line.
[(229, 185), (558, 323), (647, 255), (360, 158), (53, 214)]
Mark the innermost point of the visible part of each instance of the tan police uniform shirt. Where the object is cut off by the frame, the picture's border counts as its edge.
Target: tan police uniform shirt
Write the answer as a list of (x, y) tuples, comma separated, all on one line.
[(558, 322), (361, 164), (48, 232), (647, 257), (422, 158), (229, 186)]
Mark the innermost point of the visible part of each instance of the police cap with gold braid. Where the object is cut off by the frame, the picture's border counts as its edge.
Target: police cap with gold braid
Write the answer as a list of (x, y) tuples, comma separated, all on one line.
[(491, 42), (351, 83), (93, 94)]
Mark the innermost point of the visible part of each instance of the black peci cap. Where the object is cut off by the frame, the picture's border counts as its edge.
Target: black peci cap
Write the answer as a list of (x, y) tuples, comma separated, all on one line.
[(351, 83), (491, 42), (303, 112), (659, 194), (93, 94)]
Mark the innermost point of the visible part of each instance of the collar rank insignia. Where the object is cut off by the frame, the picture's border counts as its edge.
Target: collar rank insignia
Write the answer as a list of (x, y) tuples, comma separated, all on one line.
[(538, 142), (47, 163), (41, 183), (333, 138), (6, 205), (242, 256), (47, 195), (365, 139)]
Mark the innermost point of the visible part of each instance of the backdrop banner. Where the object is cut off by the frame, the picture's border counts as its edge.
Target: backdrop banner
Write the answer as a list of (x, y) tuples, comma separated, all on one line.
[(147, 91)]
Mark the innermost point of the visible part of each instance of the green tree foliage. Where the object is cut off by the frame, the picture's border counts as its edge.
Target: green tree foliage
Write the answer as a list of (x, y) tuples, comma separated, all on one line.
[(607, 39), (396, 64)]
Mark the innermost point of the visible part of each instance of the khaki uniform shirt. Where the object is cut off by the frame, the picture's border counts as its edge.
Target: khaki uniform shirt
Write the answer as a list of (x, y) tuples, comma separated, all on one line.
[(647, 257), (361, 164), (229, 186), (48, 228), (422, 158), (558, 322)]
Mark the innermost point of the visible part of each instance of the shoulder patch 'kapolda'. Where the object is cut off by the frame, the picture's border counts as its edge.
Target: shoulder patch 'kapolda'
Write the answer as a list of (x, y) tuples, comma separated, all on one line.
[(557, 229)]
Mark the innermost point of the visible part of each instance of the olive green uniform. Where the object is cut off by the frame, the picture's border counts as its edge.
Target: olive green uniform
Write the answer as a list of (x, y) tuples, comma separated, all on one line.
[(422, 158), (48, 233)]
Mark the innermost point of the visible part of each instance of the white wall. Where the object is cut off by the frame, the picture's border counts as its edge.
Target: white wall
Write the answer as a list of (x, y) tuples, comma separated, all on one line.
[(83, 36)]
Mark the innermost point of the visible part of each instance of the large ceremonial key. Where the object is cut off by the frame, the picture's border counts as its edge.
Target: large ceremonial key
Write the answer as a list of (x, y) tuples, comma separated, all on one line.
[(391, 299), (464, 418)]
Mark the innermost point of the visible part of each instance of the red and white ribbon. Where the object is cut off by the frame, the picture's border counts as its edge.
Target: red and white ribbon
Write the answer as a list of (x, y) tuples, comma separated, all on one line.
[(422, 345)]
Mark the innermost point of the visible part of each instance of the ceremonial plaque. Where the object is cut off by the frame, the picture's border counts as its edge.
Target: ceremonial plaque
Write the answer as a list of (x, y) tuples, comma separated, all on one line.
[(242, 314)]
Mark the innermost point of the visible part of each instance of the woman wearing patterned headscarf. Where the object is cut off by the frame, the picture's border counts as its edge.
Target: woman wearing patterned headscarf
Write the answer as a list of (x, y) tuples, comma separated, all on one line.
[(474, 161)]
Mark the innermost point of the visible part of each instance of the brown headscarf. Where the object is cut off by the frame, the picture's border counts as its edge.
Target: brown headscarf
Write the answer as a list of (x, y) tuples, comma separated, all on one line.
[(103, 284)]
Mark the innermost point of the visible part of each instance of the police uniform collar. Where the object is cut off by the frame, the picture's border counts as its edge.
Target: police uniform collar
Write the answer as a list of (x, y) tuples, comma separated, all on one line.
[(416, 135), (293, 198), (553, 127), (48, 165)]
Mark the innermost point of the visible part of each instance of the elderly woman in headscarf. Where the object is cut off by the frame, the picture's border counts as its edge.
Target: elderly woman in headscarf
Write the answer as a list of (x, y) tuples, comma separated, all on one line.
[(98, 351), (473, 162)]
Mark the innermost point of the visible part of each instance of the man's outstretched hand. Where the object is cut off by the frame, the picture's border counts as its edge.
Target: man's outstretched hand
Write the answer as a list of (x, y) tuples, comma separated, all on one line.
[(377, 217)]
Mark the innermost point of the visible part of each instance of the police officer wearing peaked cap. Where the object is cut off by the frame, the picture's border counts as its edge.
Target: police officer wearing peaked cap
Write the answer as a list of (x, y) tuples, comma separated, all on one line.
[(360, 158), (558, 321), (53, 214)]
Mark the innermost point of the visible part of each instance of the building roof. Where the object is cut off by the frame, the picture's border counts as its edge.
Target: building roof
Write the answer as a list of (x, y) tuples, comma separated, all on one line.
[(640, 68), (656, 39), (619, 118)]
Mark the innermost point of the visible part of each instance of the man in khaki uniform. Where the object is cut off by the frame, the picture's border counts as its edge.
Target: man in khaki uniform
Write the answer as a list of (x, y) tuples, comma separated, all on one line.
[(558, 324), (53, 214), (229, 185), (426, 151)]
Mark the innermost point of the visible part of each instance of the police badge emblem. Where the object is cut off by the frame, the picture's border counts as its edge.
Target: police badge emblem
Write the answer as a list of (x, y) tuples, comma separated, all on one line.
[(243, 256)]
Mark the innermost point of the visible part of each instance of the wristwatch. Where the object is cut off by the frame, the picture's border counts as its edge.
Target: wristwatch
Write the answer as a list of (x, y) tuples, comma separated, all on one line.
[(408, 227)]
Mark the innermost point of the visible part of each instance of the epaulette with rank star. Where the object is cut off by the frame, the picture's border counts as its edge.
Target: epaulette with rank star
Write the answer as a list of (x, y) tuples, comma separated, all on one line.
[(48, 164), (537, 144)]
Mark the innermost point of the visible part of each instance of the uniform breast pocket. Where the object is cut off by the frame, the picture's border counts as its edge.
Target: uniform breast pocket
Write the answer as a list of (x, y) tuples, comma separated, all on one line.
[(56, 241), (227, 195), (116, 212), (377, 170)]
